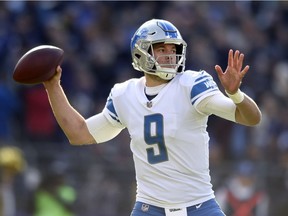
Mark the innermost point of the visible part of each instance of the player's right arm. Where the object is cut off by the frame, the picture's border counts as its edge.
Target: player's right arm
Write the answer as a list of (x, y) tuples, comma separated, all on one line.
[(71, 122)]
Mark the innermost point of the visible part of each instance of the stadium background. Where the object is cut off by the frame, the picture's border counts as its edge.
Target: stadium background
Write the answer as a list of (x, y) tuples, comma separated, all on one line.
[(96, 39)]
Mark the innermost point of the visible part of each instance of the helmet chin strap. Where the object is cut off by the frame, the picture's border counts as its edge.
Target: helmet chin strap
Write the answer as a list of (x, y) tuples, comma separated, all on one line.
[(165, 73), (166, 76)]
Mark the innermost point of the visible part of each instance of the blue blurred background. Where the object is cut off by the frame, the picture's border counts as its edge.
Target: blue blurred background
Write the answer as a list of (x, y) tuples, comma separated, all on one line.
[(95, 36)]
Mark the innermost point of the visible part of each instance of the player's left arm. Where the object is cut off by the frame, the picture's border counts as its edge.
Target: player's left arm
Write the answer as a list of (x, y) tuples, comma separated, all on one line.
[(247, 112)]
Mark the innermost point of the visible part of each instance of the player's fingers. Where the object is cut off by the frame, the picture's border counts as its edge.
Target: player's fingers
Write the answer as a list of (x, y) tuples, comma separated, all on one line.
[(245, 70), (230, 58), (240, 61), (236, 59), (55, 78), (219, 70)]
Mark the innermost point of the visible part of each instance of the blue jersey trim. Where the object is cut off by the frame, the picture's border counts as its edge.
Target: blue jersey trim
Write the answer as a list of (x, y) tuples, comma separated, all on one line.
[(112, 111), (193, 101), (203, 77), (205, 84)]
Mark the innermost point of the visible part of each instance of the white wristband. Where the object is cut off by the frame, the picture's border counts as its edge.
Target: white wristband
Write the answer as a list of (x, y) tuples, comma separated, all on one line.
[(237, 98)]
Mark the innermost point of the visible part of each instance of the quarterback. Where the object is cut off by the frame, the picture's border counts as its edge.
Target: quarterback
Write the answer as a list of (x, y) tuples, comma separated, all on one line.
[(166, 113)]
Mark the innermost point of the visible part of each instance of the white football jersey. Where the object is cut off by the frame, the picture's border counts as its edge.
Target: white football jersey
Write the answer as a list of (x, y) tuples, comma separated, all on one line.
[(169, 140)]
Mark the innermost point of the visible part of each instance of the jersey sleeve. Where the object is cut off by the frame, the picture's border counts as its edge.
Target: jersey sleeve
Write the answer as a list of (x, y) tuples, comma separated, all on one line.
[(101, 129), (219, 105), (110, 112), (203, 86)]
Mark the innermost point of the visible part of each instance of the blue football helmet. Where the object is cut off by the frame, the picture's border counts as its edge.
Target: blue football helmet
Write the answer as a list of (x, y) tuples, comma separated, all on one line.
[(152, 32)]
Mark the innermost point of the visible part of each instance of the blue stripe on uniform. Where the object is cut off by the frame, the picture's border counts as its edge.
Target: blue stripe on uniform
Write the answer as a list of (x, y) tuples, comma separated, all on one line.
[(202, 77), (111, 108), (206, 85)]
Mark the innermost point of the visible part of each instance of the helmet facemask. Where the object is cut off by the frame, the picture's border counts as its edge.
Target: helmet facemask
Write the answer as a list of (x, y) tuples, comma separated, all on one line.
[(172, 64), (142, 50)]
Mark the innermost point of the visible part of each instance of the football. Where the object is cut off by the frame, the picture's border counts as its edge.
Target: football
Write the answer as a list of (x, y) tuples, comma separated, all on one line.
[(38, 64)]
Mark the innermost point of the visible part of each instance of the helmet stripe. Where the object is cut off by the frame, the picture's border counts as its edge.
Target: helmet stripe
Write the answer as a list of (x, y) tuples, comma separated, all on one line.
[(169, 29)]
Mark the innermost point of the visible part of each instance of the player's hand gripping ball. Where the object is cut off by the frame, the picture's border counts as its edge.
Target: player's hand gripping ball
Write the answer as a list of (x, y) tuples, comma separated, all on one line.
[(38, 64)]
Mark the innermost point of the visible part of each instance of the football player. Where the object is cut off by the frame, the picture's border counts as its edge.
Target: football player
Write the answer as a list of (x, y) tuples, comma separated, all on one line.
[(166, 113)]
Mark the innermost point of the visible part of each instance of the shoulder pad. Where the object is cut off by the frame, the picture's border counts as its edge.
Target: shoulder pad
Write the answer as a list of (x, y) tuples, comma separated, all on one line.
[(190, 76), (119, 88)]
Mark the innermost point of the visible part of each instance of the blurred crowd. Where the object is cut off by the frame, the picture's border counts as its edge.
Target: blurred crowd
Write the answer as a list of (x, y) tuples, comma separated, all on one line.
[(95, 35)]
